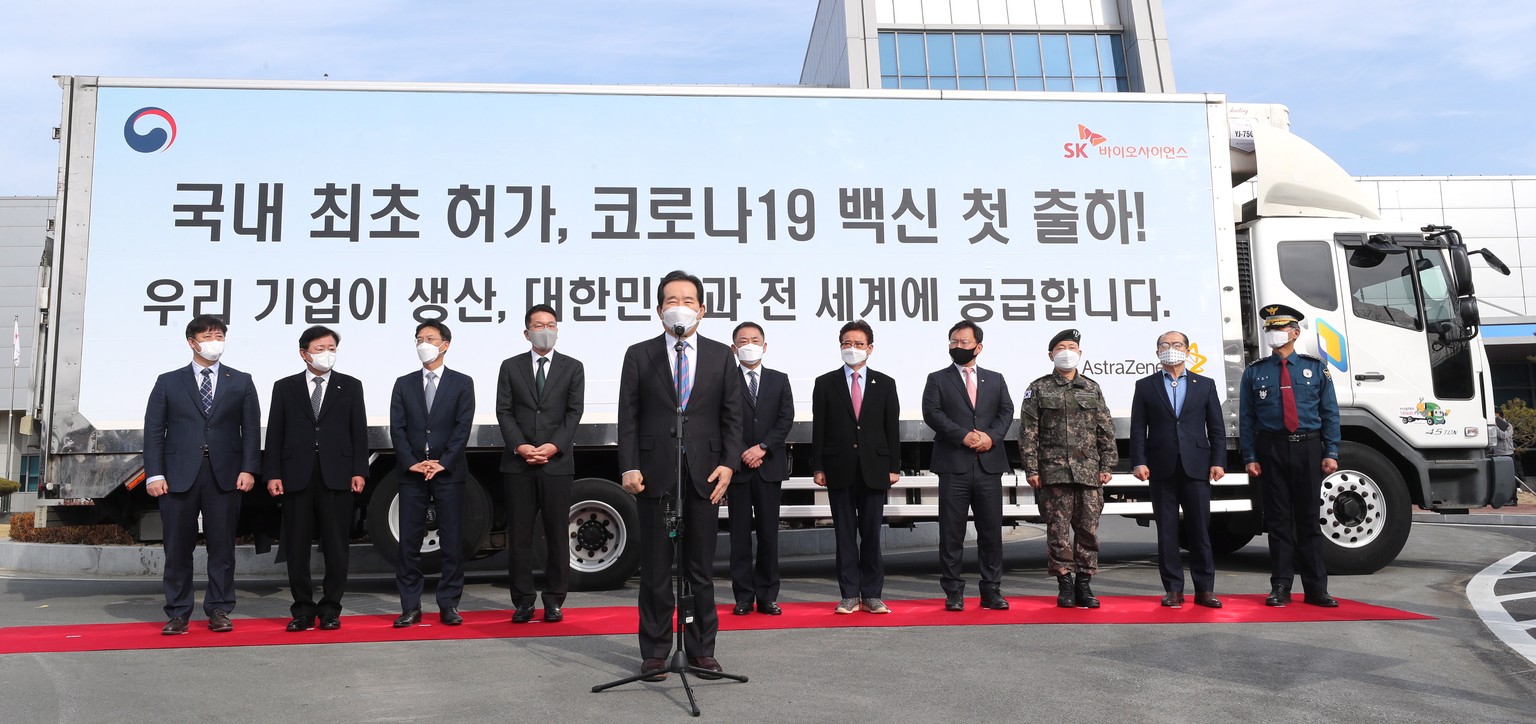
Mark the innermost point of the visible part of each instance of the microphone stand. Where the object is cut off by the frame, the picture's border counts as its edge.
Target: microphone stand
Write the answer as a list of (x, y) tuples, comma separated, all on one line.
[(682, 591)]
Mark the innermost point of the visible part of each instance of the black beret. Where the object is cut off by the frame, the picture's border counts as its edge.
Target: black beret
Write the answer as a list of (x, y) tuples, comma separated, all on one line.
[(1064, 336)]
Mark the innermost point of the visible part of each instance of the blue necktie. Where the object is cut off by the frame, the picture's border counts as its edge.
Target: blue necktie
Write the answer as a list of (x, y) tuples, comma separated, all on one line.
[(207, 392), (686, 383)]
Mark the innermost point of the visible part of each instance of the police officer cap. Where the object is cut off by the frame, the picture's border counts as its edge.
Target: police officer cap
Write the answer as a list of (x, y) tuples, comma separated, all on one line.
[(1279, 315), (1065, 335)]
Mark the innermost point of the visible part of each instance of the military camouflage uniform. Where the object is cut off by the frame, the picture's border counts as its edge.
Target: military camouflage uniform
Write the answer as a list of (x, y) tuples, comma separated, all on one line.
[(1067, 437)]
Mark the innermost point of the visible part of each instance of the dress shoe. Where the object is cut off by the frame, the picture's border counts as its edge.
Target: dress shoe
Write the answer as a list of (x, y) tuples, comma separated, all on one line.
[(705, 663), (742, 609), (553, 614), (654, 669), (330, 623), (1173, 599), (847, 605), (177, 625), (450, 617), (1320, 599), (301, 623), (769, 607), (218, 621), (994, 601), (409, 618), (1065, 598), (875, 605), (1277, 597), (954, 601), (1083, 593), (522, 614), (1207, 599)]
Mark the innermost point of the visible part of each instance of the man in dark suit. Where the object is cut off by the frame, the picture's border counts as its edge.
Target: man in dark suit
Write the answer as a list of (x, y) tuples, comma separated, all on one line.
[(317, 460), (202, 450), (653, 375), (1179, 443), (430, 412), (770, 412), (969, 410), (539, 402), (856, 456)]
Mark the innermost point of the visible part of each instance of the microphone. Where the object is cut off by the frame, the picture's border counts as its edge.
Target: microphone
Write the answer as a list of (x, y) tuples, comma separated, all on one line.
[(678, 330)]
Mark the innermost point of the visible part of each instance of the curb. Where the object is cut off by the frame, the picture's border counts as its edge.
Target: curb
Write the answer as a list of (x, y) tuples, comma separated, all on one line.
[(1525, 519)]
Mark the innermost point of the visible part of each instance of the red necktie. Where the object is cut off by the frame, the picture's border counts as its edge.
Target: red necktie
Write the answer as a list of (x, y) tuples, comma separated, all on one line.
[(1288, 397), (858, 396)]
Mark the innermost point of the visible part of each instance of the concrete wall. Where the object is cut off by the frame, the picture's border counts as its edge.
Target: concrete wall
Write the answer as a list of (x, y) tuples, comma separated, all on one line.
[(23, 228)]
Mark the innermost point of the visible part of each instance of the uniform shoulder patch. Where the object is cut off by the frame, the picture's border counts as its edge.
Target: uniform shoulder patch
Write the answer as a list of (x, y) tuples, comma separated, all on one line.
[(1029, 392)]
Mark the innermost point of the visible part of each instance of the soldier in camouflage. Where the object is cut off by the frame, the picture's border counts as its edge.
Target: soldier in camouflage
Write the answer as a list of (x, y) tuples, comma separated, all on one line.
[(1067, 439)]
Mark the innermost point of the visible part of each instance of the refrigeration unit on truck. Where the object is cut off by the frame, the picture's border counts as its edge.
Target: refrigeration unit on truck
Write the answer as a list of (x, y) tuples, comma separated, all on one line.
[(370, 207)]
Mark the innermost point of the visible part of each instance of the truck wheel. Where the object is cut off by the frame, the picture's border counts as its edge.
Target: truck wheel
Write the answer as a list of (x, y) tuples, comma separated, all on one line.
[(1366, 512), (384, 523), (1225, 540), (605, 550)]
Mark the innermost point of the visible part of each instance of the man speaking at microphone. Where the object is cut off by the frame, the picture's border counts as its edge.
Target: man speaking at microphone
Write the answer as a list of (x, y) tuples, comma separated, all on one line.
[(658, 378)]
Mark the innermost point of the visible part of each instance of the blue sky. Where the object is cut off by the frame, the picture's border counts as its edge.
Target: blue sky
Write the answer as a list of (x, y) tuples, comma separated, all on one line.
[(1387, 87)]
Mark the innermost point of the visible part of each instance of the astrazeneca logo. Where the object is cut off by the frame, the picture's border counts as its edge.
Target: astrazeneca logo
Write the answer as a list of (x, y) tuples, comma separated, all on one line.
[(155, 138)]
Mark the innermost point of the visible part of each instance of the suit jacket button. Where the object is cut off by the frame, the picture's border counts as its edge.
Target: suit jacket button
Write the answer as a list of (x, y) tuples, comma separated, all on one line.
[(855, 446)]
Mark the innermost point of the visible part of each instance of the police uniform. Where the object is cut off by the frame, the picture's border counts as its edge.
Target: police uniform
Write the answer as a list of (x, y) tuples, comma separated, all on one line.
[(1067, 437), (1290, 460)]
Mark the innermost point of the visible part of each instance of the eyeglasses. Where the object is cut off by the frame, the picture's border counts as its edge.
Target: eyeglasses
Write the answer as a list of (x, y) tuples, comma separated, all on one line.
[(860, 345), (1175, 345), (428, 340), (536, 326)]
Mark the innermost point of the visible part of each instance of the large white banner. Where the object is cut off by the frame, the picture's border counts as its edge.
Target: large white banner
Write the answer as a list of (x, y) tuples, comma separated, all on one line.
[(371, 211)]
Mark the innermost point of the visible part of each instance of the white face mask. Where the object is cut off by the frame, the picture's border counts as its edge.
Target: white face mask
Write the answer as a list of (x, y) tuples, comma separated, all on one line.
[(211, 350), (749, 353), (853, 356), (542, 338), (323, 361), (1172, 356), (1065, 360), (427, 352), (679, 316), (1276, 338)]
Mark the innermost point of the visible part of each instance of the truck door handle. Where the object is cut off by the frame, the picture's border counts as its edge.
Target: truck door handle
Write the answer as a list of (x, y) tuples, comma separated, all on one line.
[(1370, 377)]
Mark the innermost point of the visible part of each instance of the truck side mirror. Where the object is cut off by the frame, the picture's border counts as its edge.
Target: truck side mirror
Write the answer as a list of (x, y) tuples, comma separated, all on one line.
[(1494, 262), (1461, 272)]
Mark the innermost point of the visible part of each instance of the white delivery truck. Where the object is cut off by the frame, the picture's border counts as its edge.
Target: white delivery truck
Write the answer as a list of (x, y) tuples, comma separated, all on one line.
[(369, 207)]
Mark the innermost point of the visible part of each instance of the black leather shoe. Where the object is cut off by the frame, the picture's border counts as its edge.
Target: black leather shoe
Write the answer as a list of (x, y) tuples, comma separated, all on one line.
[(1173, 599), (1277, 597), (954, 601), (1065, 598), (330, 623), (742, 609), (705, 663), (218, 621), (450, 617), (301, 623), (409, 618), (654, 669), (175, 626), (553, 614), (1320, 599), (770, 608), (994, 601), (1207, 599), (522, 614)]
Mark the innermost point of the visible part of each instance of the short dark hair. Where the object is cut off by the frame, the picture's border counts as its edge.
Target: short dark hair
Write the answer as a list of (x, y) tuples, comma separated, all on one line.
[(316, 332), (205, 323), (744, 325), (857, 325), (967, 324), (1173, 331), (442, 330), (528, 315), (678, 275)]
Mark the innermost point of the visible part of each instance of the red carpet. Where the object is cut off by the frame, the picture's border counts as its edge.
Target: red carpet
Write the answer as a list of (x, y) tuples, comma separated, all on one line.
[(612, 620)]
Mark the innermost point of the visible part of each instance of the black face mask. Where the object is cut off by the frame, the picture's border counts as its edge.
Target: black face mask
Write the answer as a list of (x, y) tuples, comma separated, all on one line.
[(961, 355)]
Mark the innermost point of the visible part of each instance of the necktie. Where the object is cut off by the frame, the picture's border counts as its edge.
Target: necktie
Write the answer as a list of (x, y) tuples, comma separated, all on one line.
[(317, 395), (431, 389), (206, 390), (1288, 397), (752, 385), (858, 395), (970, 383), (686, 380), (538, 378)]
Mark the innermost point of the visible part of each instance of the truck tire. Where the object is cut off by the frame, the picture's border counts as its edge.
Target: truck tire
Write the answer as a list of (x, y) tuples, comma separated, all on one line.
[(1224, 539), (1366, 512), (604, 530), (384, 523)]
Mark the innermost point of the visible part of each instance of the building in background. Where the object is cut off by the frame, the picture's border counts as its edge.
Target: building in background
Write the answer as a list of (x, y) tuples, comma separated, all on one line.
[(24, 223)]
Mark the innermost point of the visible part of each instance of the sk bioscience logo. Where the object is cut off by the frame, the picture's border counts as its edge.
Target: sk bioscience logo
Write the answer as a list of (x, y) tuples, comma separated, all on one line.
[(1088, 141), (156, 137)]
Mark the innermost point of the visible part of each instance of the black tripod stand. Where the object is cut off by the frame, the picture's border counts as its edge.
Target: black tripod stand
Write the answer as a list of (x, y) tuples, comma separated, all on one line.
[(682, 591)]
